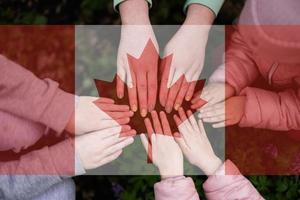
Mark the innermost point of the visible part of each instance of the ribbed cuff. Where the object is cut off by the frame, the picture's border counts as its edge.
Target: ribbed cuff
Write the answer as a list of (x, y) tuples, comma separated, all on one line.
[(214, 5), (117, 2)]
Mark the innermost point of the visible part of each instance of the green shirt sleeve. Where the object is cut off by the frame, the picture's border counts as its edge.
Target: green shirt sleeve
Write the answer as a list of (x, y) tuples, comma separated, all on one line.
[(117, 2), (214, 5)]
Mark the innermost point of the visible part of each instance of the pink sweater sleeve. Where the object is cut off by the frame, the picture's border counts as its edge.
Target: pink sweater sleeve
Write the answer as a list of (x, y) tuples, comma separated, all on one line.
[(58, 159), (233, 186), (176, 188), (25, 95), (240, 69), (271, 110)]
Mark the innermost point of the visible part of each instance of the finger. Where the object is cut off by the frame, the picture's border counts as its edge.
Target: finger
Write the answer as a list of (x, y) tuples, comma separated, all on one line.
[(182, 144), (198, 104), (148, 126), (152, 89), (171, 77), (121, 76), (156, 123), (190, 91), (163, 91), (219, 125), (172, 95), (177, 120), (213, 107), (120, 115), (142, 93), (196, 96), (182, 114), (105, 133), (181, 94), (120, 87), (201, 128), (144, 141), (109, 158), (213, 113), (132, 94), (123, 121), (192, 120), (113, 107), (185, 120), (128, 133), (165, 124), (104, 100), (118, 146), (214, 119)]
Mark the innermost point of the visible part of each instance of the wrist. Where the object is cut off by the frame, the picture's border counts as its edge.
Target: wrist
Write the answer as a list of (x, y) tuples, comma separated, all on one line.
[(170, 173), (71, 124), (211, 165), (198, 14), (134, 12)]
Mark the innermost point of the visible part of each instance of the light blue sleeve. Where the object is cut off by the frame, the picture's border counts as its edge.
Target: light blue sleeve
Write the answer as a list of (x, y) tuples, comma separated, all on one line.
[(214, 5)]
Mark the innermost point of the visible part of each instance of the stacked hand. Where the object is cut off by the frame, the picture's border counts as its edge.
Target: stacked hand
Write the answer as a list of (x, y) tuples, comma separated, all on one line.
[(195, 144), (98, 124), (161, 146)]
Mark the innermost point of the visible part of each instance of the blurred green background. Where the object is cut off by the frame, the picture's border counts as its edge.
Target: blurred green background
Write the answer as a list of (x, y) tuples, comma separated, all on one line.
[(101, 12)]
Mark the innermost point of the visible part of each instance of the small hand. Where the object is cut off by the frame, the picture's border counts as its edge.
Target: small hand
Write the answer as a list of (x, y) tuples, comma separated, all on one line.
[(101, 147), (225, 113), (187, 50), (195, 144), (163, 150), (141, 78), (212, 93), (92, 114)]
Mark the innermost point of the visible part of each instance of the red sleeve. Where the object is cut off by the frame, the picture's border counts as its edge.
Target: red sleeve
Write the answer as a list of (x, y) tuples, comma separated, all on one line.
[(240, 68), (228, 183), (271, 110), (55, 160), (25, 95), (176, 188)]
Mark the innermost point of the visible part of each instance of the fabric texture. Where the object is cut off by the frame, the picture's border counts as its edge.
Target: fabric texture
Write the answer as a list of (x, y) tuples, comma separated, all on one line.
[(22, 126), (214, 5), (117, 2), (227, 183)]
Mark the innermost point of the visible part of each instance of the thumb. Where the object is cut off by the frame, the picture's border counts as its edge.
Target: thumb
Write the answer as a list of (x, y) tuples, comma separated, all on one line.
[(144, 141)]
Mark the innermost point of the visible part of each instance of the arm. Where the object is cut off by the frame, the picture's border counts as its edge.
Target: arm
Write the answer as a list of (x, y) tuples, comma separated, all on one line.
[(187, 48), (25, 187), (228, 183), (240, 68), (166, 155), (276, 111), (25, 95)]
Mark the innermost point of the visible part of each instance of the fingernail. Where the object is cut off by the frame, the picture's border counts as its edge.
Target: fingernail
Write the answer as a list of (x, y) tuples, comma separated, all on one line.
[(134, 108), (144, 112), (176, 106), (131, 113), (168, 109), (187, 98), (119, 95)]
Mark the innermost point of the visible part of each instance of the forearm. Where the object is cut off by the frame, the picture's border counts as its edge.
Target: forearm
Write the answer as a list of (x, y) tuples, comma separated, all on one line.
[(134, 12)]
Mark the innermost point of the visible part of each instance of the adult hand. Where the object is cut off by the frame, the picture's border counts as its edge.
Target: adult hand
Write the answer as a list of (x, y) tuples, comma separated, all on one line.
[(92, 114), (163, 150), (225, 113), (101, 147), (195, 144), (212, 93), (140, 77), (187, 48)]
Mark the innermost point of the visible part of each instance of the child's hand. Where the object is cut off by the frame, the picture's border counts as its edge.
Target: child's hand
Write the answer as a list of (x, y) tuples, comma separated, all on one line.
[(212, 93), (101, 147), (92, 114), (195, 144), (224, 114), (166, 154)]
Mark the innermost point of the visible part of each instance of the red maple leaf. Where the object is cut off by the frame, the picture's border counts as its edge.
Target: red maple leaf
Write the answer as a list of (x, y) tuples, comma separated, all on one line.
[(108, 89)]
